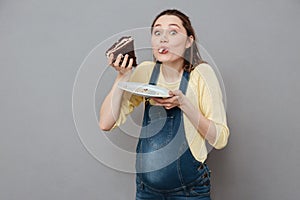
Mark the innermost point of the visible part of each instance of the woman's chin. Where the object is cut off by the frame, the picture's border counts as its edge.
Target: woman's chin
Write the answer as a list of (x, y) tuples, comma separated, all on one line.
[(162, 58)]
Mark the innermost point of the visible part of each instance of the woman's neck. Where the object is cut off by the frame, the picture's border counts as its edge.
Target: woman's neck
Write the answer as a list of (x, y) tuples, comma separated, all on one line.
[(172, 72)]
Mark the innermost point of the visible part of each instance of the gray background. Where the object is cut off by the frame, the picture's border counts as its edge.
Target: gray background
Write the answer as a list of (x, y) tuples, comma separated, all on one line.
[(43, 43)]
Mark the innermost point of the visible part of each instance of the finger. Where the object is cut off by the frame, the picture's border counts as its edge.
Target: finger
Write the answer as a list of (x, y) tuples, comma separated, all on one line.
[(110, 59), (171, 93), (159, 100), (178, 94), (130, 63), (117, 62), (154, 99), (168, 107), (124, 61), (168, 102), (158, 104), (171, 100), (175, 92)]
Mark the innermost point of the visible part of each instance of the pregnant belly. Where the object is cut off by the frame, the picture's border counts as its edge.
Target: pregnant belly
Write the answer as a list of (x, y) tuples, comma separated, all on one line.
[(163, 179)]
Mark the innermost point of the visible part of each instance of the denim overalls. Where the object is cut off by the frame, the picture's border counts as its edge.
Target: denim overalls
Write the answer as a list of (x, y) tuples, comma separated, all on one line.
[(166, 168)]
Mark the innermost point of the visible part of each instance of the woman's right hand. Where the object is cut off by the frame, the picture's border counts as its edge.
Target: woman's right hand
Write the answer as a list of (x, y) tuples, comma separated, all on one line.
[(121, 67)]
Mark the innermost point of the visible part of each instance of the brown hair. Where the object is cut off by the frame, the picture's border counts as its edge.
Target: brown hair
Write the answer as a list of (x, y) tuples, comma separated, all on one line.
[(192, 56)]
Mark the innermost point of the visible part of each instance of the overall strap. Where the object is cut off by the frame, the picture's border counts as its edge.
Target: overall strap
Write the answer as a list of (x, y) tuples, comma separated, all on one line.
[(184, 81), (155, 73)]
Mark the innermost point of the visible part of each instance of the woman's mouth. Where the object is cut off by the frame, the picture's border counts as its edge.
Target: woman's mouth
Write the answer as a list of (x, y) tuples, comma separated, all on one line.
[(163, 50)]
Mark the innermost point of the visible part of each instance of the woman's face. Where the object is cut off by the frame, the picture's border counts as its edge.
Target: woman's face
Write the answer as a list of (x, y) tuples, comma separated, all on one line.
[(169, 39)]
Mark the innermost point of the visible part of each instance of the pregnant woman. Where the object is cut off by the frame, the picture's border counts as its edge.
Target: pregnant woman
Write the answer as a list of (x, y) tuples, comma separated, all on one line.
[(171, 152)]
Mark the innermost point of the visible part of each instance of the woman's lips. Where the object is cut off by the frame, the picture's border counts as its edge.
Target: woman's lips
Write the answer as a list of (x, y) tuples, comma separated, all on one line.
[(163, 50)]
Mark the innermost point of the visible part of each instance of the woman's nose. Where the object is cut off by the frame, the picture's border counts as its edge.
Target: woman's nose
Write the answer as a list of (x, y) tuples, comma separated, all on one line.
[(164, 37)]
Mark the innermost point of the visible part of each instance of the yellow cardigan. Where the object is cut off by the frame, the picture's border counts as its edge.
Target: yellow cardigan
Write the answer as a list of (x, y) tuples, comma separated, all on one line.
[(203, 91)]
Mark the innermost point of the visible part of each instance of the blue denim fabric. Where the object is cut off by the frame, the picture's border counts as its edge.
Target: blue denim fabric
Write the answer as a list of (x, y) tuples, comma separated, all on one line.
[(198, 189), (166, 168)]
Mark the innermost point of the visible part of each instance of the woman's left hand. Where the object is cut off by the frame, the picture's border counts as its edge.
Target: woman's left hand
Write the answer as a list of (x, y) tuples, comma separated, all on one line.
[(176, 99)]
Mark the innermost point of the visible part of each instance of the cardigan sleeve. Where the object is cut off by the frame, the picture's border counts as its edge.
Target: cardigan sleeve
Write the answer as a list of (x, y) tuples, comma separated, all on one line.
[(211, 104)]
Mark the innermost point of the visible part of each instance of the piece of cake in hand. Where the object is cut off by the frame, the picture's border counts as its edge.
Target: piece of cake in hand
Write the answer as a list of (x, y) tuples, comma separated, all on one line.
[(123, 46)]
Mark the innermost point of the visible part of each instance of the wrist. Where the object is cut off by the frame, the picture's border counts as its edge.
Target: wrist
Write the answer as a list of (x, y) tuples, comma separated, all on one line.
[(182, 102), (123, 76)]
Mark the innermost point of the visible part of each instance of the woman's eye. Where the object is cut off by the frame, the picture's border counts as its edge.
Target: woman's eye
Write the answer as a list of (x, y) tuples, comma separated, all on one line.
[(173, 32), (156, 33)]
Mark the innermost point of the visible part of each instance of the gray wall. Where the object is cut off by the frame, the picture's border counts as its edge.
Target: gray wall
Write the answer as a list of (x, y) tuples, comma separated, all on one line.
[(255, 45)]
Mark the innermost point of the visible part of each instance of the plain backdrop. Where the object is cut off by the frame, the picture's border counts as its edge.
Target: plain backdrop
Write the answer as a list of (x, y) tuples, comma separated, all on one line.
[(255, 45)]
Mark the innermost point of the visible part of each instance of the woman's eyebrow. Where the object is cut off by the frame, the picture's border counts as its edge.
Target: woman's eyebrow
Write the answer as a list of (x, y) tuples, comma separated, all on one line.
[(174, 25), (168, 25)]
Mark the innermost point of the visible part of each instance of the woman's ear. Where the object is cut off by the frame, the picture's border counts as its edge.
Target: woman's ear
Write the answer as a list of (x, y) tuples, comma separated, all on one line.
[(189, 41)]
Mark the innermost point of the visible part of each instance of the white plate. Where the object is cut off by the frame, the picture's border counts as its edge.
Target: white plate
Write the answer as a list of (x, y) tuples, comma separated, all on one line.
[(143, 89)]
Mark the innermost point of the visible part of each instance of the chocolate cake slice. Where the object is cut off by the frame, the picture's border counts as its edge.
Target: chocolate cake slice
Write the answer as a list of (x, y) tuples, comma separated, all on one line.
[(123, 46)]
